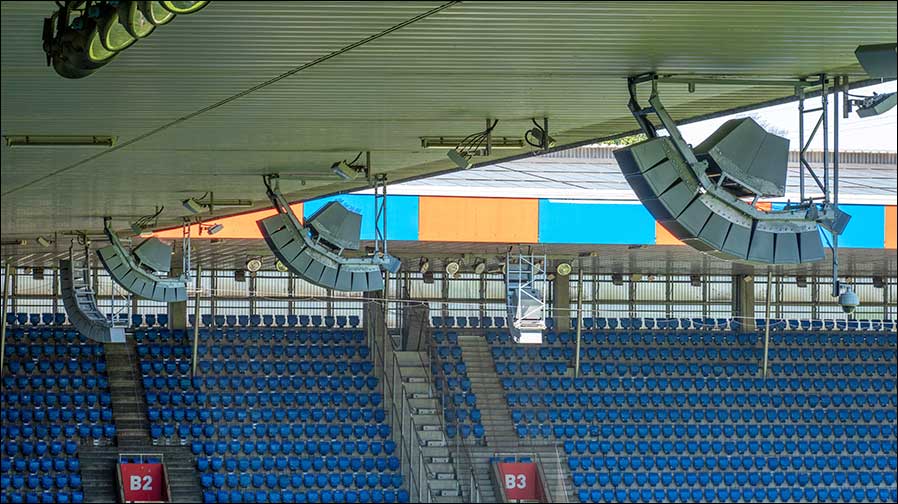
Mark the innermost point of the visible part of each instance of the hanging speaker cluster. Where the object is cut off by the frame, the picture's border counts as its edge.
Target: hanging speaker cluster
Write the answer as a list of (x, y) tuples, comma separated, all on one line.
[(138, 273), (314, 251), (82, 37)]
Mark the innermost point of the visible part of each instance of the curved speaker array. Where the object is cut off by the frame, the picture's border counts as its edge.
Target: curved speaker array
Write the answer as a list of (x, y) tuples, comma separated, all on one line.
[(672, 193), (314, 251), (131, 275), (81, 306)]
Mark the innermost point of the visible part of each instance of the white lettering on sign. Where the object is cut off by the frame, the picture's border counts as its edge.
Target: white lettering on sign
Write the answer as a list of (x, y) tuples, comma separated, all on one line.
[(141, 483), (515, 481)]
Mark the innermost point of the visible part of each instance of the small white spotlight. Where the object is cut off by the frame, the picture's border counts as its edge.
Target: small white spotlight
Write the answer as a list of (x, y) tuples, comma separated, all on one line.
[(43, 242), (214, 228), (253, 265), (479, 267), (563, 269), (280, 266), (424, 265), (452, 268)]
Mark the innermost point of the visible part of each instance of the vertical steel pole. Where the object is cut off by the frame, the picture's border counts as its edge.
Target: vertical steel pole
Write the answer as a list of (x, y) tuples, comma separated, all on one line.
[(579, 321), (835, 199), (767, 325), (801, 144), (6, 281), (824, 103), (196, 321)]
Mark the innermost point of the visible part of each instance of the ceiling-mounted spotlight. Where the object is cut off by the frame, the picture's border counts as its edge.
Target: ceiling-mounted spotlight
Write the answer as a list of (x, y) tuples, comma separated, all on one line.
[(253, 265), (869, 106), (155, 13), (695, 280), (563, 269), (651, 278), (193, 206), (214, 228), (348, 170), (74, 49), (37, 273), (801, 281), (550, 277), (239, 275), (184, 7), (538, 136), (473, 145), (479, 266), (280, 266), (617, 279), (424, 265), (452, 268), (636, 277), (43, 242), (133, 20), (113, 34), (427, 277)]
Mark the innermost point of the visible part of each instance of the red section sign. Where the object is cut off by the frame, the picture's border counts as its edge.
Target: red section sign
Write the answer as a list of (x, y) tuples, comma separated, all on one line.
[(520, 481), (143, 482)]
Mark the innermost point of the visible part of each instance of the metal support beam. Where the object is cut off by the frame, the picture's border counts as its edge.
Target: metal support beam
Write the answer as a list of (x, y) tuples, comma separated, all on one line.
[(6, 282), (767, 326), (196, 321)]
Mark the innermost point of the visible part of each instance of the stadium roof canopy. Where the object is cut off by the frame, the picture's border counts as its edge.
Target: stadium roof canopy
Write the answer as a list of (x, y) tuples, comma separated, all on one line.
[(443, 74)]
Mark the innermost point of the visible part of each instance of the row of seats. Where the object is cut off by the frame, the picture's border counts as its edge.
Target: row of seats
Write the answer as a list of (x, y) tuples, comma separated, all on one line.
[(59, 350), (651, 383), (779, 447), (691, 354), (55, 381), (262, 383), (684, 338), (241, 414), (472, 321), (727, 472), (733, 415), (679, 399), (691, 431), (250, 335), (263, 399), (255, 320), (267, 368), (85, 418), (52, 399), (289, 496), (263, 351), (331, 431), (36, 465), (748, 494), (355, 447), (44, 366)]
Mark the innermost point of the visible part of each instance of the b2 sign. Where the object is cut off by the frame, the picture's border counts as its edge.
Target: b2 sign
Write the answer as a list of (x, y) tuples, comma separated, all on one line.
[(519, 480), (142, 482)]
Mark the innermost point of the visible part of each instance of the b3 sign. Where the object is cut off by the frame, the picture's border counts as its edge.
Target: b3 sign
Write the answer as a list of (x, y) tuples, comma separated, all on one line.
[(519, 480), (142, 482)]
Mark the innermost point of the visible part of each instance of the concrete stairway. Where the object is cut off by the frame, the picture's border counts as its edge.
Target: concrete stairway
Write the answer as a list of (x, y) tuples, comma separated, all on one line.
[(495, 416), (500, 434), (428, 433), (99, 480), (126, 388)]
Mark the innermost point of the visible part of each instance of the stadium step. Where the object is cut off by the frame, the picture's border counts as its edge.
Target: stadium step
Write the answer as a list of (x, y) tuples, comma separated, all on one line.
[(98, 465), (128, 404)]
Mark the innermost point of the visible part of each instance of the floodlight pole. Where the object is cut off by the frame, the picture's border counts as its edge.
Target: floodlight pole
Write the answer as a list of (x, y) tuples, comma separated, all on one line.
[(196, 321), (6, 281)]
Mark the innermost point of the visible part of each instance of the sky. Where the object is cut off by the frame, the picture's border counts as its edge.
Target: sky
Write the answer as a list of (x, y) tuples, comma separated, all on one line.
[(877, 133)]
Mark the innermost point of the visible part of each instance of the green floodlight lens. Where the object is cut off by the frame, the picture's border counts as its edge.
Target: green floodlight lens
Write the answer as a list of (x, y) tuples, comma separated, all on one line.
[(184, 7), (96, 52), (114, 35), (132, 19), (155, 13)]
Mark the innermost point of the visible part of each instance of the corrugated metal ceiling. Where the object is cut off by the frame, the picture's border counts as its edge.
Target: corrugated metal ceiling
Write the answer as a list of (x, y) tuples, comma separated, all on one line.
[(439, 76)]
